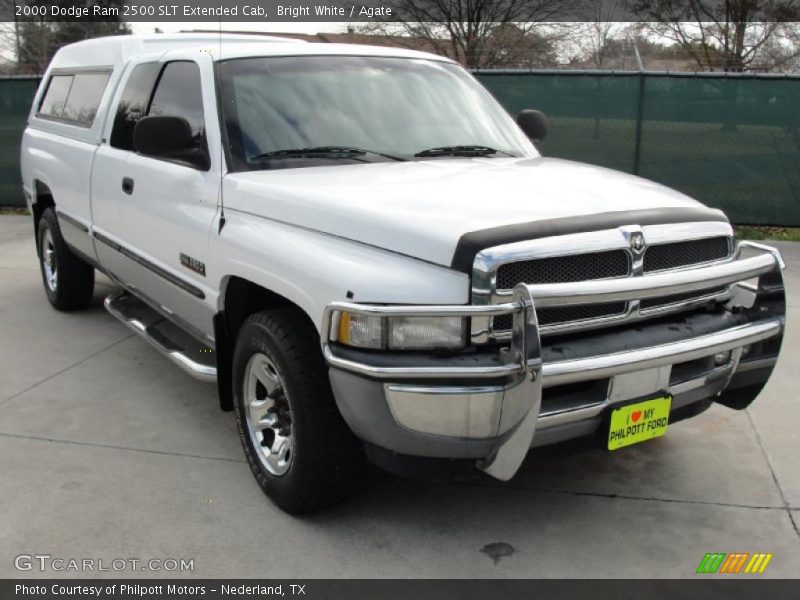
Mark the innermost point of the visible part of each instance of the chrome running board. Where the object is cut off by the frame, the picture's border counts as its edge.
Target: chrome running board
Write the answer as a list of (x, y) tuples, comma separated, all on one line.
[(194, 357)]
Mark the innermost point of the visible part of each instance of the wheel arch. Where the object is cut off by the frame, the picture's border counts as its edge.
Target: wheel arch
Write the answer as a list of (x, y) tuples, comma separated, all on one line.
[(238, 299)]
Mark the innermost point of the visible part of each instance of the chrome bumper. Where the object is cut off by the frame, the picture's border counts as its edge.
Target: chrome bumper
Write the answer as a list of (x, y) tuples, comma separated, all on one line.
[(510, 413)]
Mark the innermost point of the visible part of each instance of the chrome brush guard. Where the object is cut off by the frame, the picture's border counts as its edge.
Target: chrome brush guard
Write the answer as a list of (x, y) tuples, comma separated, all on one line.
[(521, 361)]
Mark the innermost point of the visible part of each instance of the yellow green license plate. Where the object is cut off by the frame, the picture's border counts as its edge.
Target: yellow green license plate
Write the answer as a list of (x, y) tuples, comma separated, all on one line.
[(638, 422)]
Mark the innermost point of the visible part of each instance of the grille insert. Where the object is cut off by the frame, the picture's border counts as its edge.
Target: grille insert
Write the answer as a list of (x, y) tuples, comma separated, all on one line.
[(567, 314), (681, 254), (562, 269)]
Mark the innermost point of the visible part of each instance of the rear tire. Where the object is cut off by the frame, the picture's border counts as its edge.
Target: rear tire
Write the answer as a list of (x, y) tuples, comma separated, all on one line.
[(68, 280), (299, 448)]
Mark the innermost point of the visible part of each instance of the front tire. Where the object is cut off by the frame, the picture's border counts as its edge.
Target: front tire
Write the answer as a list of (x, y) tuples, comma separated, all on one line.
[(299, 448), (68, 280)]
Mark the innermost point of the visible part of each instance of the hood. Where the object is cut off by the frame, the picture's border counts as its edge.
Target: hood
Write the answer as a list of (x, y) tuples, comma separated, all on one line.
[(423, 208)]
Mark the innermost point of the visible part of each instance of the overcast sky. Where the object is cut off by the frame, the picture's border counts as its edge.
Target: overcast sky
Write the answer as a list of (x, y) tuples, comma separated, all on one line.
[(292, 27), (7, 46)]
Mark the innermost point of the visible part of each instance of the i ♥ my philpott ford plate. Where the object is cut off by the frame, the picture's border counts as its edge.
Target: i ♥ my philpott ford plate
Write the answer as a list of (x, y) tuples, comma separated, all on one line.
[(639, 422)]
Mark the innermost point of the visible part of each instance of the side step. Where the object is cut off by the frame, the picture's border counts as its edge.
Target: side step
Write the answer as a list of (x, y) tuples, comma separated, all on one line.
[(191, 355)]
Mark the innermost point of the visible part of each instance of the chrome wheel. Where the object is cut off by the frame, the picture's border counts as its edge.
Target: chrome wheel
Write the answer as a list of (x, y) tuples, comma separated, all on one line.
[(49, 261), (268, 414)]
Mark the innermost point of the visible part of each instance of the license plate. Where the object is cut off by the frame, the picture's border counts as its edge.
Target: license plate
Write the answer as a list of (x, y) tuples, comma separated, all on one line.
[(639, 422)]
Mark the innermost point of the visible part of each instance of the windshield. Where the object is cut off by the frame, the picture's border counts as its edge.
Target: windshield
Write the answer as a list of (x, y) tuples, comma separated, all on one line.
[(303, 111)]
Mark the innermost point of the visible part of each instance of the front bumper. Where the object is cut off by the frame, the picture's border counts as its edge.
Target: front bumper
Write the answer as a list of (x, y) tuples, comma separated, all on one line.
[(494, 407)]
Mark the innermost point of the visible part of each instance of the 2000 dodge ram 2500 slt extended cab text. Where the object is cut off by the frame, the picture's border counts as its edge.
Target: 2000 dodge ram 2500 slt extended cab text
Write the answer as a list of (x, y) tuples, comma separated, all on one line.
[(371, 258)]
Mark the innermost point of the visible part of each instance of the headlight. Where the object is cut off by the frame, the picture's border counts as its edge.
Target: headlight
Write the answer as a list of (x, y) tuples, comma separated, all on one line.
[(425, 333), (401, 333)]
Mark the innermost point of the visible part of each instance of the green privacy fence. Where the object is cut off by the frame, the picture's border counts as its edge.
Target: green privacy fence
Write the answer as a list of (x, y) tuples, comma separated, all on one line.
[(16, 94), (732, 142)]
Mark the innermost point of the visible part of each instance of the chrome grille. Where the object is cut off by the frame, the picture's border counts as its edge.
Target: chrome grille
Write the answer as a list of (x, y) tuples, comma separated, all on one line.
[(660, 254), (682, 254)]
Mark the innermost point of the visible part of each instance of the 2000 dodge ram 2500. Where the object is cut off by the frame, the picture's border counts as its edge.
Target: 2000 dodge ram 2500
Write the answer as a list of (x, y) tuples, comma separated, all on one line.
[(371, 258)]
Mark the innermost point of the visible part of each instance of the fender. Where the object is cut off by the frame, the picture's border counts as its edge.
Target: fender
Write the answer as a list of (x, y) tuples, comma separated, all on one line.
[(312, 269)]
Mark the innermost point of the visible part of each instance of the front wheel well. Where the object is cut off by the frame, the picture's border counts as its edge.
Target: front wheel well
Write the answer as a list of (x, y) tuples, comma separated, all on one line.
[(241, 298)]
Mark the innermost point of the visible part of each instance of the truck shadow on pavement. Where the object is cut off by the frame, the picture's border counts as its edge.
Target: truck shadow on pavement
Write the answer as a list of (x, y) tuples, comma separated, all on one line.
[(676, 468)]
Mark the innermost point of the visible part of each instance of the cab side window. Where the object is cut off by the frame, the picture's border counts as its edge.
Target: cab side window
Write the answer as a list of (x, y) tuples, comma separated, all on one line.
[(178, 93)]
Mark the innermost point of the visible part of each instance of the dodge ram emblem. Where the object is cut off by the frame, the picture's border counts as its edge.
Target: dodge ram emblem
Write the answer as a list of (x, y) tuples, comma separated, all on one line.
[(637, 242)]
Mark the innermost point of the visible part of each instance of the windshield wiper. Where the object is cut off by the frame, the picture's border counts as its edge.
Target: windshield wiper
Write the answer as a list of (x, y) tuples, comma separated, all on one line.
[(465, 150), (322, 152)]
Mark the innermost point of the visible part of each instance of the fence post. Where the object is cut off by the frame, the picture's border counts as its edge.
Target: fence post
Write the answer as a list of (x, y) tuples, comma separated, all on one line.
[(637, 150)]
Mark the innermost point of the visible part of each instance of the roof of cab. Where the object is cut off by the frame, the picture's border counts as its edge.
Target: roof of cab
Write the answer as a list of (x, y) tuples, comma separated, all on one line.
[(117, 50), (236, 50)]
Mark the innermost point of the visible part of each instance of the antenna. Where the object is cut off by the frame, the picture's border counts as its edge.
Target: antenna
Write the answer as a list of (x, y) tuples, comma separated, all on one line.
[(221, 142)]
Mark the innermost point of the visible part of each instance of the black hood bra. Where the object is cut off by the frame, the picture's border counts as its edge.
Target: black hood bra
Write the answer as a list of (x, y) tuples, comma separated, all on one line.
[(473, 242)]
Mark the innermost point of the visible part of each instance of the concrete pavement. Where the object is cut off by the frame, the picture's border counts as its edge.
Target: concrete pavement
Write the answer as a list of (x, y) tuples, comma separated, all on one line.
[(109, 451)]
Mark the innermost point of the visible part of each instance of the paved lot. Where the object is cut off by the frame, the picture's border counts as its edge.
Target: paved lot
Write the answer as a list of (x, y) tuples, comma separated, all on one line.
[(109, 451)]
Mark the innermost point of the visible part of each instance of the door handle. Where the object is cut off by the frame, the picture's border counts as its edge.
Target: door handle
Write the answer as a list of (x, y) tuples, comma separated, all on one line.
[(127, 185)]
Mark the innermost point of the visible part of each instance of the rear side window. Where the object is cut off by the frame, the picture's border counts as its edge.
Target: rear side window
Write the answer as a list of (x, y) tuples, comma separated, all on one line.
[(55, 98), (133, 104), (84, 97), (74, 97)]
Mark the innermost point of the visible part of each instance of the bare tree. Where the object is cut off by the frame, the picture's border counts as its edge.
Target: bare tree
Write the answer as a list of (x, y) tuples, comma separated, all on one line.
[(9, 35), (511, 46), (781, 52), (727, 35), (599, 29), (472, 31), (34, 40)]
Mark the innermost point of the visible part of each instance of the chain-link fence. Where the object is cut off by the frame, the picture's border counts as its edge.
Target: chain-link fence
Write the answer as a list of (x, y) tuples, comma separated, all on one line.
[(732, 142)]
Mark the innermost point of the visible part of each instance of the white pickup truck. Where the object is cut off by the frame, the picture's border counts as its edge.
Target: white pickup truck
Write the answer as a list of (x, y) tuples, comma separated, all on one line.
[(372, 259)]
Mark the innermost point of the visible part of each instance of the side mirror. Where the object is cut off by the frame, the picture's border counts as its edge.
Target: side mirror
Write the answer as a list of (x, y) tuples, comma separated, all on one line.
[(533, 123), (169, 138)]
